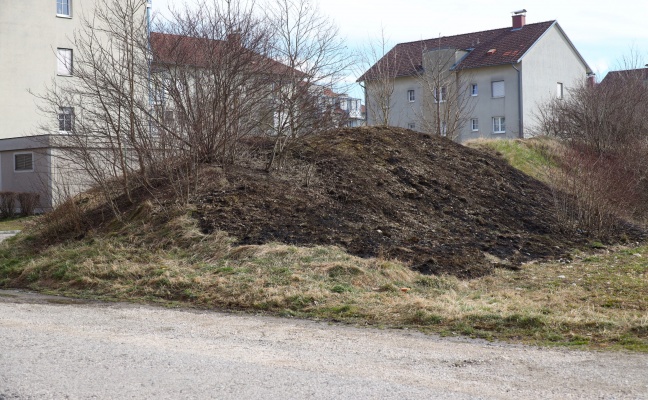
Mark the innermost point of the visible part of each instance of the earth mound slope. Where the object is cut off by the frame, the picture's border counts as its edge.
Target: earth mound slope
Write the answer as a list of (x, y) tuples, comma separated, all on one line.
[(393, 193)]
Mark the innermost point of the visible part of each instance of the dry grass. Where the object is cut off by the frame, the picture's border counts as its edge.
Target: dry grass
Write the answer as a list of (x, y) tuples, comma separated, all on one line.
[(598, 300)]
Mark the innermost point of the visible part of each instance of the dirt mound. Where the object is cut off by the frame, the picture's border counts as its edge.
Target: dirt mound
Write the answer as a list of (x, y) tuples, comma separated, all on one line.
[(395, 193)]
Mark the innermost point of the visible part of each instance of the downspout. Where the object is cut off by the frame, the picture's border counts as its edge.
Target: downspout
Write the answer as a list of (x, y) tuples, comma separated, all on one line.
[(520, 115), (366, 96), (149, 4)]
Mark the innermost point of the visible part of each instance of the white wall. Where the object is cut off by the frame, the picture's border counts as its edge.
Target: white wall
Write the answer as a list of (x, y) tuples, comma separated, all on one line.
[(30, 33), (550, 61)]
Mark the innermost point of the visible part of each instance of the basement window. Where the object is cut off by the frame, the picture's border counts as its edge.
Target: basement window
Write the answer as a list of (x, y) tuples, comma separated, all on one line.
[(23, 162)]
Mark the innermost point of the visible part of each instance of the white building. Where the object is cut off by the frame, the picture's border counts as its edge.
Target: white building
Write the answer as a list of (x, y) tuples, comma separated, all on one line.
[(37, 46), (505, 75)]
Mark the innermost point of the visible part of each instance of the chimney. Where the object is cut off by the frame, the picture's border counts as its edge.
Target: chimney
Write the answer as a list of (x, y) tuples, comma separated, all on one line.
[(519, 19)]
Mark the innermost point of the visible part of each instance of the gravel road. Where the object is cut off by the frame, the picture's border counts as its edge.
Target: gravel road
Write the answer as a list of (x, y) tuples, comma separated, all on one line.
[(56, 348)]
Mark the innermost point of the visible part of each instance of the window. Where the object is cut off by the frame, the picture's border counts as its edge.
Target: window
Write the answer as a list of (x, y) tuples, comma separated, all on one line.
[(444, 129), (559, 90), (63, 8), (23, 162), (440, 96), (410, 96), (497, 88), (64, 61), (474, 90), (66, 119), (499, 125), (411, 125), (474, 124)]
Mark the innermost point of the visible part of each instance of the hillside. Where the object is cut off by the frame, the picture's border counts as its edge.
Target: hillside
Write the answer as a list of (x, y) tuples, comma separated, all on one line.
[(392, 193)]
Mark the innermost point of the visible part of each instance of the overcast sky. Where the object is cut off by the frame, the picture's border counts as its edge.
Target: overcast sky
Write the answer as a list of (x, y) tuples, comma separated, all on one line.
[(602, 31)]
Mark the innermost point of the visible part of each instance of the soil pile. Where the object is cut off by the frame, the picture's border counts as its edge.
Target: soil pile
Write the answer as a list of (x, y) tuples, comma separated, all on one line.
[(394, 193)]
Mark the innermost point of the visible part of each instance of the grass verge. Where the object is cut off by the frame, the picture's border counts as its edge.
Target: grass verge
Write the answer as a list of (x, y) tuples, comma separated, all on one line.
[(14, 224), (597, 300), (531, 156)]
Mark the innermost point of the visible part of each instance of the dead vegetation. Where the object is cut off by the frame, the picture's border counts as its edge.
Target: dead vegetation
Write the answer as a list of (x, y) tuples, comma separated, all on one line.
[(394, 193)]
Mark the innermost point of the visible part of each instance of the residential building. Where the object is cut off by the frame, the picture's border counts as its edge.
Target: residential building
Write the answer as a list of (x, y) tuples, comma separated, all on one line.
[(37, 43), (477, 85), (348, 109)]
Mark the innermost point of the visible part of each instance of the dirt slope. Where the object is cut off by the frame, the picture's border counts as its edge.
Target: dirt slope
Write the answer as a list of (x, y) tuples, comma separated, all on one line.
[(395, 193)]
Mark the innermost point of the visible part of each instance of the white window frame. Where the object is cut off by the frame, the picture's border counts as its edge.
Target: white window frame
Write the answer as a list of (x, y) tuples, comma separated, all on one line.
[(474, 90), (411, 96), (60, 6), (23, 153), (444, 95), (499, 125), (560, 90), (474, 125), (63, 111), (498, 89), (64, 62)]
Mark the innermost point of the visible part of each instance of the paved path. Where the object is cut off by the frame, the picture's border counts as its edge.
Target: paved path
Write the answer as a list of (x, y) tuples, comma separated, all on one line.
[(7, 234), (54, 348)]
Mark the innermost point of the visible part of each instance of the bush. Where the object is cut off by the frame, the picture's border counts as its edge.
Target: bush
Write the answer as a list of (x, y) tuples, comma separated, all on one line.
[(7, 204), (28, 203)]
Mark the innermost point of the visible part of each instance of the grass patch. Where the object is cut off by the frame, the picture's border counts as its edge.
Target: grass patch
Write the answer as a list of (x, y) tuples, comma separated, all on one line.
[(531, 156), (14, 224), (598, 300)]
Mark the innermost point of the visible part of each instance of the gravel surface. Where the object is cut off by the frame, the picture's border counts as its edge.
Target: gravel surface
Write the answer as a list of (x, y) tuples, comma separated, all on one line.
[(56, 348)]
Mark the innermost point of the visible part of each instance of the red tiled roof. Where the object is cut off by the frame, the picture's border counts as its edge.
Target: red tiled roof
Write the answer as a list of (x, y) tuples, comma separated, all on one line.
[(201, 52), (487, 48), (628, 74)]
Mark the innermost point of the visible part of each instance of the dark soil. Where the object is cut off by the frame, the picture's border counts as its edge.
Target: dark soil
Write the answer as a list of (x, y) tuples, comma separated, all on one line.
[(394, 193)]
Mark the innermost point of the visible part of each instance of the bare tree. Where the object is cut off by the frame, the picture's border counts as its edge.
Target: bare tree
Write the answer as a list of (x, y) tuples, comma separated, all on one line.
[(103, 109), (379, 78), (214, 77), (605, 128), (309, 45), (446, 102)]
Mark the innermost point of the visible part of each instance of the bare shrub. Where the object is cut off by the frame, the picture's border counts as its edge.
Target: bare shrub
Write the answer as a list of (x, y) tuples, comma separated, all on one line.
[(7, 204), (28, 202), (594, 193), (64, 220), (605, 128)]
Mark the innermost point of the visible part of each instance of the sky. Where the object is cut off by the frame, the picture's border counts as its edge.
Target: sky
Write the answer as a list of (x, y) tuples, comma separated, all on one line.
[(604, 32)]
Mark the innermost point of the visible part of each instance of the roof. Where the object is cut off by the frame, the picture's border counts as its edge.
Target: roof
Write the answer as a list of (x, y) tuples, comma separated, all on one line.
[(627, 74), (172, 49), (486, 48)]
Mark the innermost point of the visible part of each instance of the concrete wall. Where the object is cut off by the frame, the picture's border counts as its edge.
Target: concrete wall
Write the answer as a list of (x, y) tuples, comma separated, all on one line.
[(550, 61), (38, 179)]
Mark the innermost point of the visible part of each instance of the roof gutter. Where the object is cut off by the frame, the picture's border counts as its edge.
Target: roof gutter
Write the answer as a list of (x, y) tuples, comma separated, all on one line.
[(520, 114)]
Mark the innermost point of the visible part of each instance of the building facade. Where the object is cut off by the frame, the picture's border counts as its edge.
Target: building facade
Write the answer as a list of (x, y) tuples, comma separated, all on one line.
[(37, 41), (477, 85)]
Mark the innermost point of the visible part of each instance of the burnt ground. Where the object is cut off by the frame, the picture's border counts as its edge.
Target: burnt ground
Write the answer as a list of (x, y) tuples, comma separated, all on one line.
[(394, 193)]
